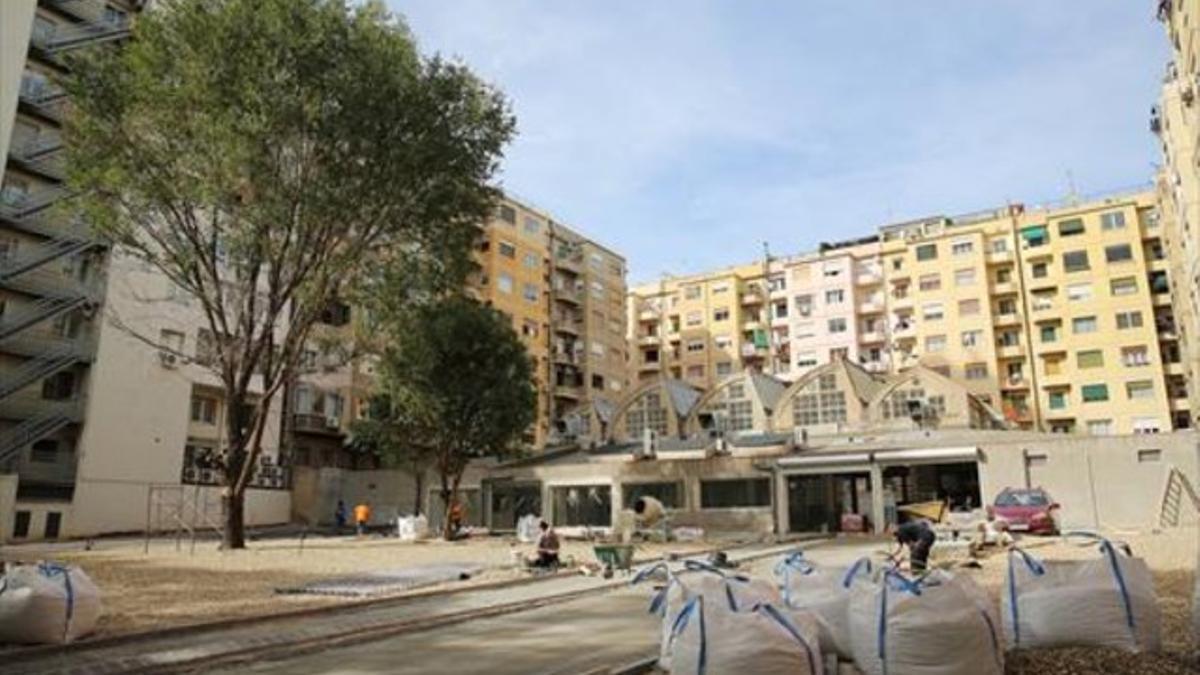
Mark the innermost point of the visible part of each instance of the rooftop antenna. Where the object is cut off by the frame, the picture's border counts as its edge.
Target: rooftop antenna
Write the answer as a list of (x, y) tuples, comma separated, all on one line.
[(1072, 193)]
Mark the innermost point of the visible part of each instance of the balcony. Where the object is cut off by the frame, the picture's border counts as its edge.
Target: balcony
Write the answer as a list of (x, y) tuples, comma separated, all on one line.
[(1175, 368), (873, 306), (648, 314), (1010, 351), (570, 296), (567, 326), (569, 263), (1004, 288), (752, 323), (1180, 404), (1007, 319), (868, 278), (650, 366), (649, 340), (569, 358), (1014, 382), (905, 302), (316, 423), (1000, 257), (875, 367), (750, 351), (1161, 298), (673, 336), (904, 331), (1054, 380), (752, 297), (872, 337), (573, 392)]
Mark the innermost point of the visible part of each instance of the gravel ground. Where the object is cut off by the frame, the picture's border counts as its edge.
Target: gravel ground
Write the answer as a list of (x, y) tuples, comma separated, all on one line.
[(169, 588)]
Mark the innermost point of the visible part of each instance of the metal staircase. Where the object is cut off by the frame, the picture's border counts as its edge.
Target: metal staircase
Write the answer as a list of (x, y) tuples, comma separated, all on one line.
[(40, 156), (1178, 488), (92, 29), (45, 100), (31, 430), (43, 365)]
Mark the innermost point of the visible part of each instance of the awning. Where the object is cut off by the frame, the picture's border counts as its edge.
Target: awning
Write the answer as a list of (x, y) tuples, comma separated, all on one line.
[(964, 454), (1035, 233), (820, 460)]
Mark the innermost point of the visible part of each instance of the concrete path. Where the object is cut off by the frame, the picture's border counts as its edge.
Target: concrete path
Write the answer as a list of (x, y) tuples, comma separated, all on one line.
[(578, 636)]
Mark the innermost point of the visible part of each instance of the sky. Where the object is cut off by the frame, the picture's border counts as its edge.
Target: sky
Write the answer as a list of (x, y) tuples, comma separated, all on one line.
[(686, 133)]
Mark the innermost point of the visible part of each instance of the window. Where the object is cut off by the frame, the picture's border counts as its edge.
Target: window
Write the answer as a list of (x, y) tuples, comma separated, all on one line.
[(21, 525), (1040, 270), (1094, 393), (695, 372), (691, 293), (1053, 366), (598, 348), (927, 252), (1144, 456), (837, 325), (1127, 320), (44, 451), (1118, 253), (1009, 338), (1134, 357), (694, 318), (1043, 300), (722, 341), (1123, 286), (1139, 389), (933, 311), (721, 314), (935, 343), (582, 505), (968, 307), (1100, 427), (1058, 400), (1075, 261), (998, 245), (529, 328), (976, 371), (171, 340), (834, 297), (1083, 324), (532, 225), (1113, 220), (1079, 292), (806, 359), (508, 214), (504, 282), (204, 409), (724, 368), (804, 305), (930, 282), (1004, 275), (735, 493), (1006, 307), (1049, 333), (531, 292), (971, 338), (777, 284), (1092, 358), (507, 250), (1145, 425), (831, 269), (531, 261), (780, 309), (719, 289), (59, 387), (965, 277), (695, 345), (670, 494), (1159, 283), (1070, 228), (961, 247)]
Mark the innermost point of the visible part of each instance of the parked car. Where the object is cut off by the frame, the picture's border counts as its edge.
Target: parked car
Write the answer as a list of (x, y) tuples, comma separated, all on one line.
[(1026, 510)]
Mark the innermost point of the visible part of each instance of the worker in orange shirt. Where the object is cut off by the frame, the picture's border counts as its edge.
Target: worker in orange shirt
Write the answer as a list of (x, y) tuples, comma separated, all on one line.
[(362, 514)]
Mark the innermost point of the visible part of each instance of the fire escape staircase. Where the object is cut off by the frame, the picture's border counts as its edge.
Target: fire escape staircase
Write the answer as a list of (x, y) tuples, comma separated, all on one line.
[(92, 29), (40, 156)]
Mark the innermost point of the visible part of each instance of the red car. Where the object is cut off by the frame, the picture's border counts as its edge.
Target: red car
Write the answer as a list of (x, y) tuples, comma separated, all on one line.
[(1026, 510)]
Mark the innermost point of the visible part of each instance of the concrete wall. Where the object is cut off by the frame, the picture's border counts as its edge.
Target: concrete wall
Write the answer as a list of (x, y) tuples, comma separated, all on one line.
[(8, 501), (316, 492), (16, 23), (1099, 481)]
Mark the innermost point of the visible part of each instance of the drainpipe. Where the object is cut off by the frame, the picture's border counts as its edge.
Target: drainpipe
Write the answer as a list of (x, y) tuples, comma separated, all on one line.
[(1026, 325)]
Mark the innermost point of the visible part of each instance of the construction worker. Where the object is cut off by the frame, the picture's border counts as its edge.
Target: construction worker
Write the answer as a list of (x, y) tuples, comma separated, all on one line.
[(918, 536), (362, 514), (547, 547), (457, 518), (339, 515)]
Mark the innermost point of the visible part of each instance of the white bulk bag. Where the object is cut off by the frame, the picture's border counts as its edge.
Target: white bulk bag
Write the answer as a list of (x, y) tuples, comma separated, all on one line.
[(412, 528), (1105, 602), (47, 603), (825, 593), (734, 592), (529, 529), (938, 624), (712, 638)]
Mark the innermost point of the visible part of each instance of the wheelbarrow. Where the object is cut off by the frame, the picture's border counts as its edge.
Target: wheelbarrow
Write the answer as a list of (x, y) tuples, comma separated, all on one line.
[(615, 557)]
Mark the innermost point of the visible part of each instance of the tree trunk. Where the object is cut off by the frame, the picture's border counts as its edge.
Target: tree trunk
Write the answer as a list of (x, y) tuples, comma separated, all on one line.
[(447, 531), (234, 505), (419, 481)]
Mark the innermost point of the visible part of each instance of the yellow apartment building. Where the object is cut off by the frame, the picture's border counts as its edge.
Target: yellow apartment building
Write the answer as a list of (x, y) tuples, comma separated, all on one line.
[(1174, 121), (1059, 316)]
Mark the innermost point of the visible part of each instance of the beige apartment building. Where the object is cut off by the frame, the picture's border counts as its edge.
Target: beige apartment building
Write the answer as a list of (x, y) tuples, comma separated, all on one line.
[(1058, 316), (1174, 120)]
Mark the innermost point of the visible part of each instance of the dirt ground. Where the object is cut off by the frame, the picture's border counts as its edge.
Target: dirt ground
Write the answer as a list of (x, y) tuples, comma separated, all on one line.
[(1171, 556), (172, 588)]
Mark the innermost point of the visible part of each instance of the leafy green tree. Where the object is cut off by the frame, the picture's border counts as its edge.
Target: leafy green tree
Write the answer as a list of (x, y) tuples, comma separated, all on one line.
[(263, 154), (458, 370)]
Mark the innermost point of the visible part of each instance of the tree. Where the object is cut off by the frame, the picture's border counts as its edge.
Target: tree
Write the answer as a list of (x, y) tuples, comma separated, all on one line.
[(262, 154), (458, 369)]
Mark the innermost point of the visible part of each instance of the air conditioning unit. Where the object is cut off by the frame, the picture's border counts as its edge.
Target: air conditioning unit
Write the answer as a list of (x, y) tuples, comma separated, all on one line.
[(208, 476), (649, 445), (168, 360), (333, 422), (190, 474)]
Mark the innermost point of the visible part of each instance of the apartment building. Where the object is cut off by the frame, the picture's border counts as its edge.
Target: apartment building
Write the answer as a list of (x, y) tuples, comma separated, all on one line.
[(1059, 316), (51, 269), (1174, 120)]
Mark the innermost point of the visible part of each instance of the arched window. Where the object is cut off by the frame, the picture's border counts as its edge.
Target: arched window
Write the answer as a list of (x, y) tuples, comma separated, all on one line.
[(646, 413), (820, 402)]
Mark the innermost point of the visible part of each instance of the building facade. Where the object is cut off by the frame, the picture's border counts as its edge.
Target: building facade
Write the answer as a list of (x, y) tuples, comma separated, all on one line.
[(1175, 123), (1059, 316)]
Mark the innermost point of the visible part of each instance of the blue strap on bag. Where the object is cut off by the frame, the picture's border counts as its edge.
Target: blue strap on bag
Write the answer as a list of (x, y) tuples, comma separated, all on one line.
[(782, 620), (1037, 568), (51, 570), (693, 606)]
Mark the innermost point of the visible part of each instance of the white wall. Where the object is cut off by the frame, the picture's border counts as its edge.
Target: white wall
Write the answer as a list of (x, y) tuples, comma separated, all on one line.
[(16, 23)]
